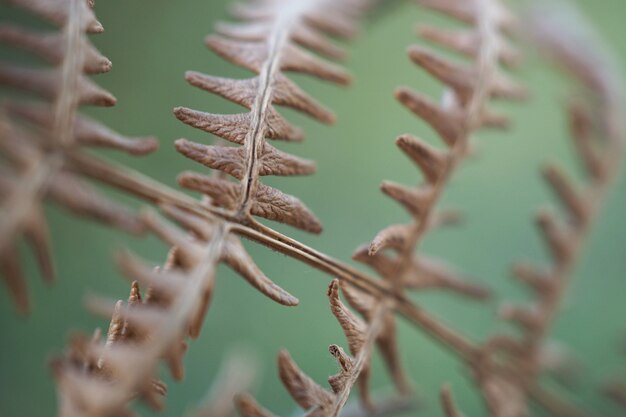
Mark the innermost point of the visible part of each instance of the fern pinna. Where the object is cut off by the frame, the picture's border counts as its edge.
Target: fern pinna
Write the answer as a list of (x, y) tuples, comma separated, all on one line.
[(38, 139)]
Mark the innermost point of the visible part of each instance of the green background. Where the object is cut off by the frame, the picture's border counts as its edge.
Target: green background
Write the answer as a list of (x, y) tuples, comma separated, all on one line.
[(152, 43)]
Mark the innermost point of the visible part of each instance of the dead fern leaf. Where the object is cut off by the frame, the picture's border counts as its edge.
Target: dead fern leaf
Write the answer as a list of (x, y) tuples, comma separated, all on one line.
[(180, 292), (469, 88), (49, 133), (598, 139), (256, 45)]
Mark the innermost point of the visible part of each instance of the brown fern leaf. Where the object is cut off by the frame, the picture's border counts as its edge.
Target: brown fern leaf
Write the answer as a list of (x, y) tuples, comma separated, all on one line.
[(180, 292), (339, 381), (464, 110), (598, 138), (191, 250), (361, 338), (142, 333), (469, 89), (353, 327), (48, 133), (268, 41), (355, 370), (422, 274), (357, 333), (91, 367)]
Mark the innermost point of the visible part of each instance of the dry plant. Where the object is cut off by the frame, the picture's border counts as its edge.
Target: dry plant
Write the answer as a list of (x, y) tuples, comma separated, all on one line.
[(509, 367), (37, 150), (42, 148)]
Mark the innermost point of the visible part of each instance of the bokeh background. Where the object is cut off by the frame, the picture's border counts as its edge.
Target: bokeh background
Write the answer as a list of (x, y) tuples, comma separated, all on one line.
[(152, 43)]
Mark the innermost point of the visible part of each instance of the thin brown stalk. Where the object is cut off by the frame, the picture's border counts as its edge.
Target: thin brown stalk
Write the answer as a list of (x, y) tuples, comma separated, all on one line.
[(65, 106), (255, 139)]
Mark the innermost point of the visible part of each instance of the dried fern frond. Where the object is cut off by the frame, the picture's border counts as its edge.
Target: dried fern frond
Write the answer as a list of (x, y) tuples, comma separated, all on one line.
[(386, 339), (353, 368), (176, 301), (37, 138), (269, 40), (464, 110), (97, 378), (202, 218), (379, 326), (356, 331), (598, 137), (183, 287), (162, 320), (101, 361)]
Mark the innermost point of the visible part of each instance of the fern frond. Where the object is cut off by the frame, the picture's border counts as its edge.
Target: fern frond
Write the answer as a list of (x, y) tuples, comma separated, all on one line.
[(98, 378), (598, 138), (269, 42), (36, 139), (353, 368), (318, 401), (469, 89), (183, 287)]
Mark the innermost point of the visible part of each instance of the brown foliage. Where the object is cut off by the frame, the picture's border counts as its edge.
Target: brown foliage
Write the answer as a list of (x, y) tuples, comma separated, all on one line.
[(42, 146), (37, 139)]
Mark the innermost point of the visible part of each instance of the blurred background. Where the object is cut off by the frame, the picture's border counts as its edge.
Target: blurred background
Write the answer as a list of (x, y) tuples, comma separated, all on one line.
[(152, 43)]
